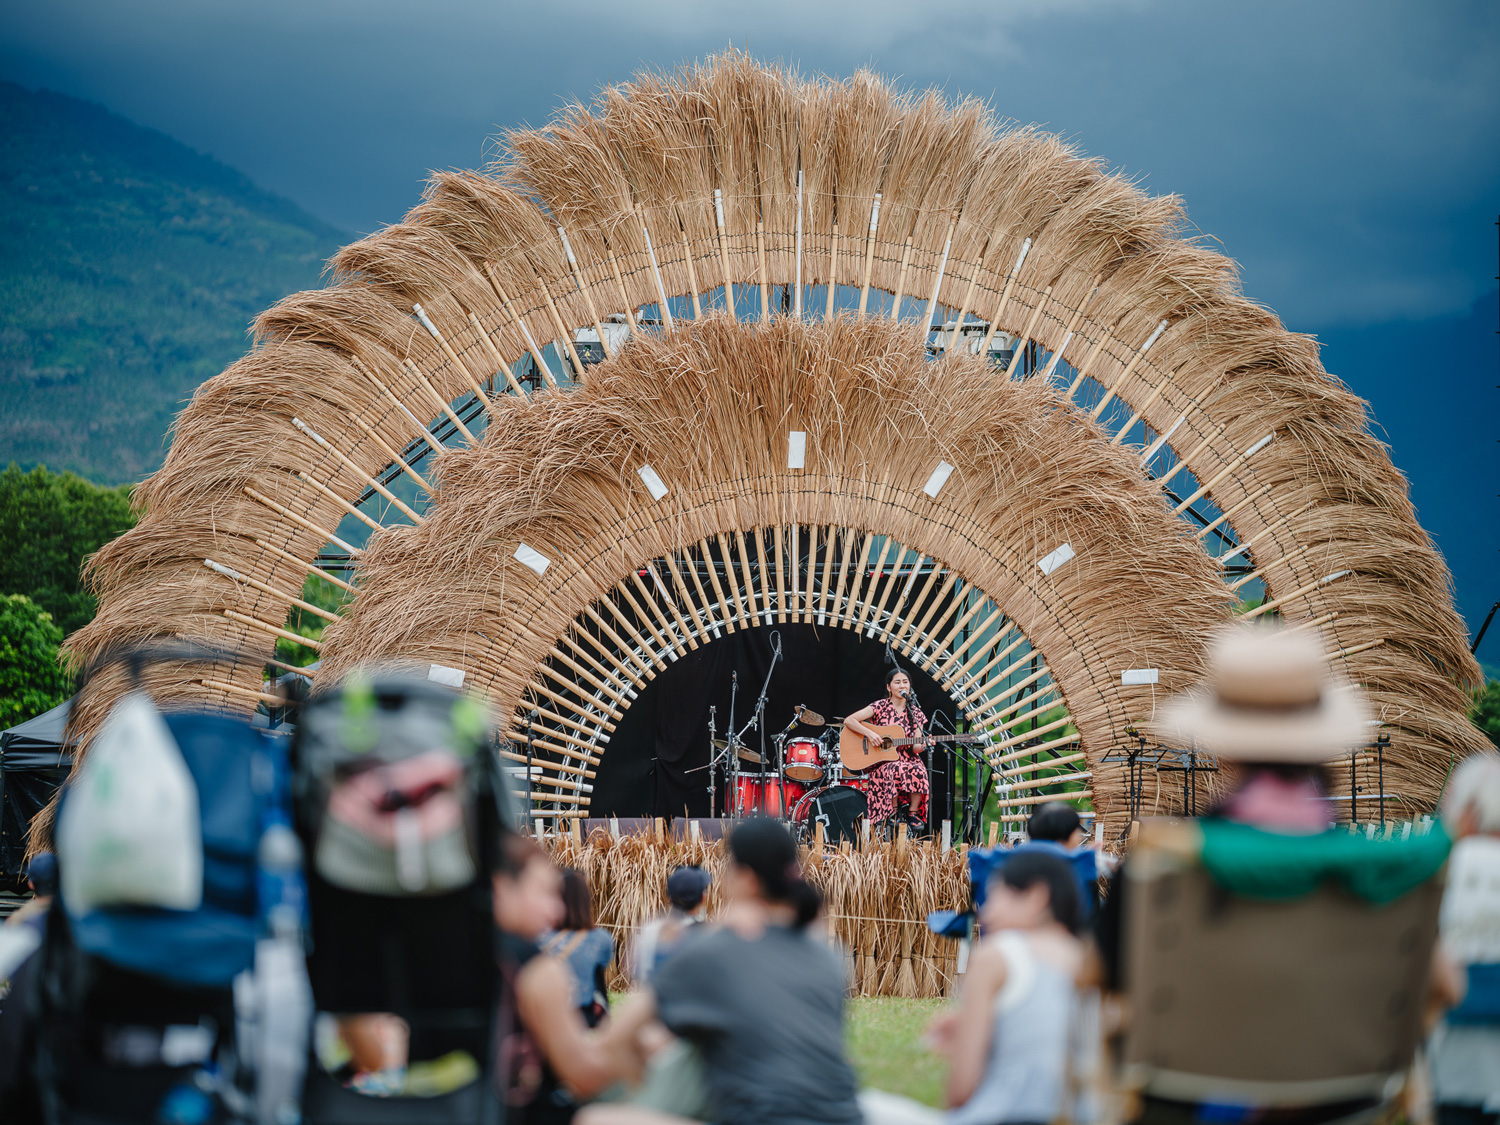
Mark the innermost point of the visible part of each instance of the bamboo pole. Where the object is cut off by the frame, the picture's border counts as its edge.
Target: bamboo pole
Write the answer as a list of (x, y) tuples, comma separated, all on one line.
[(593, 661), (421, 428), (780, 577), (1010, 282), (937, 284), (1269, 529), (1208, 528), (749, 576), (1046, 763), (504, 367), (868, 601), (310, 673), (833, 271), (274, 630), (838, 593), (763, 572), (661, 289), (562, 330), (583, 728), (459, 365), (340, 501), (614, 266), (1204, 489), (946, 645), (308, 525), (355, 469), (864, 288), (926, 634), (1342, 653), (692, 641), (396, 458), (713, 578), (307, 566), (901, 281), (437, 398), (914, 629), (965, 304), (1125, 374), (823, 588), (235, 689), (1261, 572), (1006, 788), (1087, 364), (686, 595), (244, 579), (1067, 339), (1042, 799), (724, 252), (536, 353), (911, 580), (1016, 353), (539, 688), (760, 251), (1065, 740), (687, 255), (588, 296)]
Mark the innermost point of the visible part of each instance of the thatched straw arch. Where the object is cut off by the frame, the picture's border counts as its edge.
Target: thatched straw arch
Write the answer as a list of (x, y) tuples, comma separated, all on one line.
[(733, 185), (562, 475)]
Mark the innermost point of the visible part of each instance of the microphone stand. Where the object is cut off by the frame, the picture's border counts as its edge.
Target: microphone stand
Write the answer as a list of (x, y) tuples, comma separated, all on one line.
[(755, 721), (713, 753)]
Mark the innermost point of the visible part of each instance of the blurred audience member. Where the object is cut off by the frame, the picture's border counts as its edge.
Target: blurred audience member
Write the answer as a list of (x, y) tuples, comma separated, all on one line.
[(1057, 823), (1009, 1041), (687, 889), (41, 879), (549, 1059), (586, 948), (1465, 1047), (760, 996)]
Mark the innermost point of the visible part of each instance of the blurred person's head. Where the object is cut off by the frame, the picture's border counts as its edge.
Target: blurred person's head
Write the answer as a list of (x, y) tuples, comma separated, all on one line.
[(1272, 712), (527, 888), (1056, 823), (686, 888), (578, 902), (41, 874), (1031, 890), (1471, 799), (763, 867)]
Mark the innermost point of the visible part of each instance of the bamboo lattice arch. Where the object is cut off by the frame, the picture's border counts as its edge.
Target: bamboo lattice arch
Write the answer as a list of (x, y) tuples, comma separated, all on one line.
[(733, 188)]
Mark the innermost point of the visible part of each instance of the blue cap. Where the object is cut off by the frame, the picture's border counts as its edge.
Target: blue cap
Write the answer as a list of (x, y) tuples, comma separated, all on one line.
[(686, 887)]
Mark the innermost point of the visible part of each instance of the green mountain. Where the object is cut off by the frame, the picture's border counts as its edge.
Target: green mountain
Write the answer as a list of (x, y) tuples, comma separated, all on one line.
[(130, 268)]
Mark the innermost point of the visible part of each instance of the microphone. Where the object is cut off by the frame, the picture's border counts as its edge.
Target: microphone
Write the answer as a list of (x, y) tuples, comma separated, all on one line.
[(906, 694)]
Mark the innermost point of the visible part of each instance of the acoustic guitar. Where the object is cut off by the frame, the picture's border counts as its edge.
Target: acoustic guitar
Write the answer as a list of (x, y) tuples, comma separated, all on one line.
[(859, 753)]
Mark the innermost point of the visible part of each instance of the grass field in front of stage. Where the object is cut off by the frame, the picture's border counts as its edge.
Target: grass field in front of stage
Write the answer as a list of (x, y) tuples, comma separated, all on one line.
[(885, 1046)]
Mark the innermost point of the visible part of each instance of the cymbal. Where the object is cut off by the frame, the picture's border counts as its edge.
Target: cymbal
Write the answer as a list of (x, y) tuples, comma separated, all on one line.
[(748, 755), (808, 717)]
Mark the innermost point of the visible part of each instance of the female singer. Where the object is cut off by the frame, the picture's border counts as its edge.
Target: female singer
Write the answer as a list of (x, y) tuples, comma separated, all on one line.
[(906, 778)]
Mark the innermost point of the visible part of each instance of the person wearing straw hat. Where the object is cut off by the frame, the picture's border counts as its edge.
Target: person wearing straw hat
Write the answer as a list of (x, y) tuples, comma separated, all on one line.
[(1273, 714)]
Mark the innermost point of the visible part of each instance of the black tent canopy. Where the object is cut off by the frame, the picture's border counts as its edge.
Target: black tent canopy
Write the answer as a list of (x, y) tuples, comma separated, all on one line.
[(34, 761)]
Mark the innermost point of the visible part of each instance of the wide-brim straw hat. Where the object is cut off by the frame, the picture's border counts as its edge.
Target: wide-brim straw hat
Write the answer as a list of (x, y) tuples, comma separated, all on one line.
[(1269, 697)]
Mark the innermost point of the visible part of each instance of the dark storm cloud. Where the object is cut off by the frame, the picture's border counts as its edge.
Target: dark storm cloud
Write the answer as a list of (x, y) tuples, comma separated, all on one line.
[(1342, 151)]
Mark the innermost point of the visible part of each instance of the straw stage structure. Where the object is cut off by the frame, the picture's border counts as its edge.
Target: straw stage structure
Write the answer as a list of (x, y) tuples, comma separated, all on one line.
[(418, 347)]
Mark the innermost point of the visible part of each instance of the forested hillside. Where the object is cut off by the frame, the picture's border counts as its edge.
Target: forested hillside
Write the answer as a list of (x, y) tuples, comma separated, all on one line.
[(130, 268)]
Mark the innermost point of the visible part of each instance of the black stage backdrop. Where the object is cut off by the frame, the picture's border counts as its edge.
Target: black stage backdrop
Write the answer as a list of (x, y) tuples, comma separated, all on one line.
[(650, 767)]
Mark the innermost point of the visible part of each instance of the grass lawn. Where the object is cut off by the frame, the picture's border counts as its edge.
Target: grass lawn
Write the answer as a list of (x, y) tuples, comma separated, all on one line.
[(884, 1045)]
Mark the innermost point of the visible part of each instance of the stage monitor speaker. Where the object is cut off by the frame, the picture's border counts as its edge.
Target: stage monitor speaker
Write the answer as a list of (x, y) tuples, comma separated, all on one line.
[(709, 828)]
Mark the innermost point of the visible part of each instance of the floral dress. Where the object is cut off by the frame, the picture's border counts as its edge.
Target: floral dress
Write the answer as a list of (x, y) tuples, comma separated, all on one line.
[(892, 783)]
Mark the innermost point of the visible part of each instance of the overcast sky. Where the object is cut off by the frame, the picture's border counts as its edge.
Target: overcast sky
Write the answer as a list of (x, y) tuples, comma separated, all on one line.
[(1346, 152)]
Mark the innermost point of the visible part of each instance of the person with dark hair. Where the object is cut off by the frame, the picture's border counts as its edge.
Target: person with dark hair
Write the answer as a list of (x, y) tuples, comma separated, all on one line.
[(1057, 823), (899, 788), (549, 1059), (759, 995), (586, 948), (686, 889), (1010, 1037)]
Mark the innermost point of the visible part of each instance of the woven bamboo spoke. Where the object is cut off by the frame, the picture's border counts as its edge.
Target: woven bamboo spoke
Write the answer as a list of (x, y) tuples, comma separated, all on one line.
[(670, 605)]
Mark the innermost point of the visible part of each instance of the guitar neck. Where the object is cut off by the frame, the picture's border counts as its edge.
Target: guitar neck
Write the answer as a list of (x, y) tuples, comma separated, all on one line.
[(935, 738)]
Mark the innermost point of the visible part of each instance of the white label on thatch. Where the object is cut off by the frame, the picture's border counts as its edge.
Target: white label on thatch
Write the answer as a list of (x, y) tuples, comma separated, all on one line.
[(653, 482), (442, 674), (1055, 559), (533, 558), (939, 478), (796, 449), (1134, 677)]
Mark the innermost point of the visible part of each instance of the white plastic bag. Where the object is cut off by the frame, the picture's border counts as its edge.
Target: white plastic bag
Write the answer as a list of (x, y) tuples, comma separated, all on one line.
[(129, 831)]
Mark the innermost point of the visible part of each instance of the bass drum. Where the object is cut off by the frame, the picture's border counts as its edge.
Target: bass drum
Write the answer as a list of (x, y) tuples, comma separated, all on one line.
[(839, 808), (763, 794)]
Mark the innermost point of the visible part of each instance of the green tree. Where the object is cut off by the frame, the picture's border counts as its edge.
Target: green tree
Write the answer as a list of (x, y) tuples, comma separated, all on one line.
[(1485, 710), (324, 595), (31, 681), (50, 523)]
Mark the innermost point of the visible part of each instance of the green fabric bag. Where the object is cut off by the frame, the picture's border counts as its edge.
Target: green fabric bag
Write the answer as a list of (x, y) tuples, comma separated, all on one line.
[(1270, 865)]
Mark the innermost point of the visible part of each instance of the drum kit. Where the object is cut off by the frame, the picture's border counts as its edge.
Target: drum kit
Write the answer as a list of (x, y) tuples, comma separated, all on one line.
[(802, 779)]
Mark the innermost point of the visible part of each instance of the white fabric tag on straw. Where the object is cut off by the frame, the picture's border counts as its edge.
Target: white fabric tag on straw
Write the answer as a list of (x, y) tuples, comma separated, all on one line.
[(939, 478), (533, 558), (1055, 559), (442, 674), (652, 482), (1133, 677), (796, 449)]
